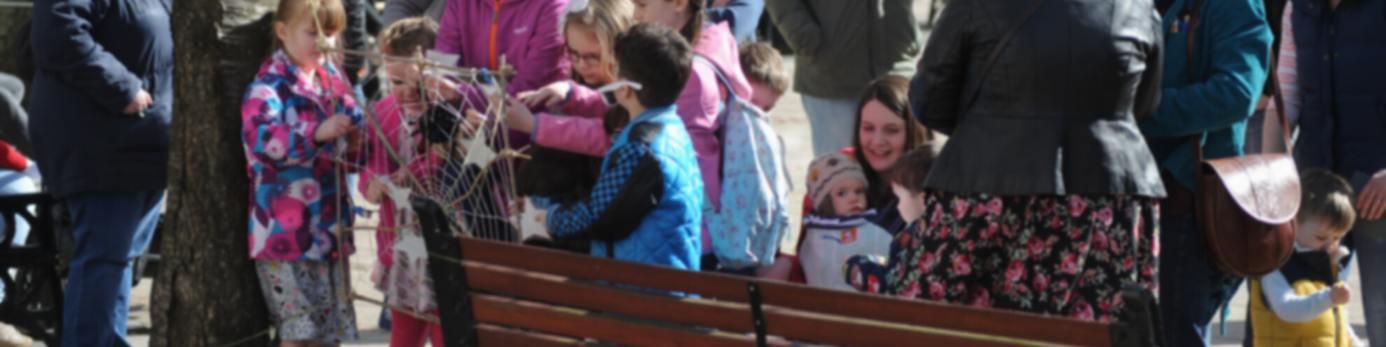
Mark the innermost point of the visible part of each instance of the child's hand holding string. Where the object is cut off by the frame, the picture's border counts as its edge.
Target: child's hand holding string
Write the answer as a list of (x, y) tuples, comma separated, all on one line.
[(335, 127)]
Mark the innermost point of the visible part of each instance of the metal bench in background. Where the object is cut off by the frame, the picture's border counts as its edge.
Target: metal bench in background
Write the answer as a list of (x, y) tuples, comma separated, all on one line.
[(32, 273)]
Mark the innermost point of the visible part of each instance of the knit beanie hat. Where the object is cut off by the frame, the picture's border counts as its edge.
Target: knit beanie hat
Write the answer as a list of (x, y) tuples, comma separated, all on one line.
[(826, 171)]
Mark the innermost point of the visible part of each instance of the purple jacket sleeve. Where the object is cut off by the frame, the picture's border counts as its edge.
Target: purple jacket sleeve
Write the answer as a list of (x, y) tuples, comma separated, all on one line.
[(573, 134), (546, 60)]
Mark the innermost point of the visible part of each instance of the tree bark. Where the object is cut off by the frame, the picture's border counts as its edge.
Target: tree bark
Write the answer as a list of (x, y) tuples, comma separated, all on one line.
[(207, 293)]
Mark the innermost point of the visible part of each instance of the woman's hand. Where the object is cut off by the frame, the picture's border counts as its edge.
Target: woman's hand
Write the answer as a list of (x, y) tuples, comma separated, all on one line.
[(1371, 202)]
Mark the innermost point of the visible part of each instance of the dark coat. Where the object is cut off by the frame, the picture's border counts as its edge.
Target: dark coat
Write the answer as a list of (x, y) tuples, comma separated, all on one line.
[(1341, 64), (92, 57), (1057, 113)]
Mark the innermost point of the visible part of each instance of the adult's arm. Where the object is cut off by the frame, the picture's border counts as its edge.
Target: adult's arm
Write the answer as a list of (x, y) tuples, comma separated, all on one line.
[(798, 23), (742, 15), (937, 91), (65, 48), (355, 37), (1236, 33), (1148, 93)]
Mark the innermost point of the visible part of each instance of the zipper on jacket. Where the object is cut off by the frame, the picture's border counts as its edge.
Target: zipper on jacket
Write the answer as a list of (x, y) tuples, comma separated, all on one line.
[(495, 29)]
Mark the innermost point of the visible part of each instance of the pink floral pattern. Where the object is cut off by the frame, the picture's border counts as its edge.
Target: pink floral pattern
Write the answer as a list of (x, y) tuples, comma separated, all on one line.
[(1059, 255), (297, 196)]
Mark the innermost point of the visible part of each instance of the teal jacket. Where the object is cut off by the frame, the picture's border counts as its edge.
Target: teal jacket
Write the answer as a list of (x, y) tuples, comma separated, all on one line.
[(1229, 65)]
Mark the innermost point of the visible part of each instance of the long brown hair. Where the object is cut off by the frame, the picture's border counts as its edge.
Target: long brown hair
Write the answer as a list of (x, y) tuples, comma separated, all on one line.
[(692, 30), (891, 91)]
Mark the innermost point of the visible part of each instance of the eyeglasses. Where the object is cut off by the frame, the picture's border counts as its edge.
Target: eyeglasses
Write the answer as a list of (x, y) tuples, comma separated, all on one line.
[(583, 58)]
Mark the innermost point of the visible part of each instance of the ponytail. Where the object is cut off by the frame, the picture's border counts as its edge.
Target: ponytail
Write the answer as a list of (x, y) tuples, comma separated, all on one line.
[(698, 17)]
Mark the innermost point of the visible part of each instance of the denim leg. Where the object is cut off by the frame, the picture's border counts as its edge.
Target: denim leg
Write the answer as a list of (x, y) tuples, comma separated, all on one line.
[(109, 230), (1191, 287), (831, 121), (1370, 240)]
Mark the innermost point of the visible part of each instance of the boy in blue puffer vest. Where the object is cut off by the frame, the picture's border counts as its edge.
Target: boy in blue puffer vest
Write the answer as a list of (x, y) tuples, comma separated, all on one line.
[(647, 203)]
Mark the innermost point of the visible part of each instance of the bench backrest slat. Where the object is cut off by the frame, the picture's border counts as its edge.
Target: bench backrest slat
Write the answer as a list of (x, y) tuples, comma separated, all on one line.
[(577, 323), (594, 297), (490, 335), (923, 313), (718, 286)]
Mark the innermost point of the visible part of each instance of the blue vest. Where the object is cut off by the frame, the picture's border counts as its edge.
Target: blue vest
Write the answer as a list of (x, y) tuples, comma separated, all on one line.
[(1342, 77), (671, 234)]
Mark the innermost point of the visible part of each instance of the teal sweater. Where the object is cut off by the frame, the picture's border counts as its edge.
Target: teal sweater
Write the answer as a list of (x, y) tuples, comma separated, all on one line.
[(1229, 65)]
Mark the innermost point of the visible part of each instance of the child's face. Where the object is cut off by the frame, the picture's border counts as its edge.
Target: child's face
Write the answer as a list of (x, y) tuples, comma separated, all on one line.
[(1313, 234), (910, 204), (589, 59), (764, 97), (848, 197), (300, 39), (404, 86)]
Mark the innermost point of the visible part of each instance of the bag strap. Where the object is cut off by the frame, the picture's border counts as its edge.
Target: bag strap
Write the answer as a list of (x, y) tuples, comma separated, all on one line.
[(721, 77), (996, 54), (1195, 16)]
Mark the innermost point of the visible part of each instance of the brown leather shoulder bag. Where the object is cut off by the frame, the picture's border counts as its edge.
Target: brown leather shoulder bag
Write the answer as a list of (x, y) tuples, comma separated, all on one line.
[(1246, 205)]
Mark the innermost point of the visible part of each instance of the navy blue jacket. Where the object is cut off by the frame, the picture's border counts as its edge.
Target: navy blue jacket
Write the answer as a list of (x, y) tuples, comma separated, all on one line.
[(1342, 65), (92, 57)]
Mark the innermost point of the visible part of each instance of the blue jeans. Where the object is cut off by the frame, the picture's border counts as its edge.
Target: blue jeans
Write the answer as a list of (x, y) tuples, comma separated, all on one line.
[(832, 122), (109, 230), (1370, 240), (1192, 288)]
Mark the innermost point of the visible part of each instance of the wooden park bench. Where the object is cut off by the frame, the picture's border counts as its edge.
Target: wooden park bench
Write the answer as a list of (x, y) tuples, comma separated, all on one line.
[(511, 295)]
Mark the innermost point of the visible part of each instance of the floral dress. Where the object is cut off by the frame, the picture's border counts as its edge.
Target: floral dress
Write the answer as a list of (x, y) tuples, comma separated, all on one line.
[(1059, 255), (298, 197)]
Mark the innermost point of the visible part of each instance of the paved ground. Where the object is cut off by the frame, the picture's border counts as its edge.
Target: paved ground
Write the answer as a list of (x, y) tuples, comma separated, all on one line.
[(790, 122)]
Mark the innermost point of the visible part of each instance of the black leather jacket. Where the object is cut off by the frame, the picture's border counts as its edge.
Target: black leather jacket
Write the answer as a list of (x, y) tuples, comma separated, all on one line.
[(1057, 112)]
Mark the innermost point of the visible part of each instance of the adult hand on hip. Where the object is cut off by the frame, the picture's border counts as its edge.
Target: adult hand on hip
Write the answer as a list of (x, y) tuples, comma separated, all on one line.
[(141, 102), (1371, 201)]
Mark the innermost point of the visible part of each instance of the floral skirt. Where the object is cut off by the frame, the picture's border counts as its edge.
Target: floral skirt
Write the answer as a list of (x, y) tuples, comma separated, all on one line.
[(308, 300), (1058, 255)]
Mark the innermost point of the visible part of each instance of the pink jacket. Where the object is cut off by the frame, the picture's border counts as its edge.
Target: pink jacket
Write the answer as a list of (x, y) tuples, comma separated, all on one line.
[(524, 31), (378, 163), (698, 106)]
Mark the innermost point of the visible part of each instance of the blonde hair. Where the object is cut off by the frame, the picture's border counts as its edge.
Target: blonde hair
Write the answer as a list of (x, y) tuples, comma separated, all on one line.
[(606, 19), (330, 14)]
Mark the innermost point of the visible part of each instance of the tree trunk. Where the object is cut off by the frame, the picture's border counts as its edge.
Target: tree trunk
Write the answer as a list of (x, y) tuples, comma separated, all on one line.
[(207, 293)]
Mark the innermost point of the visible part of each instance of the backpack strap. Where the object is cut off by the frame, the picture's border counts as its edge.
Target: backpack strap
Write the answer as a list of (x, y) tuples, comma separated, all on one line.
[(721, 77)]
